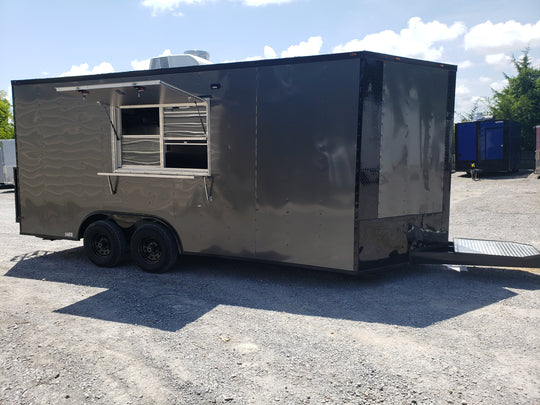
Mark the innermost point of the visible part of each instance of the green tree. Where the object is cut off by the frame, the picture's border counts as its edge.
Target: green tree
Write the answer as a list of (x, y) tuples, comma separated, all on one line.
[(520, 99), (6, 117)]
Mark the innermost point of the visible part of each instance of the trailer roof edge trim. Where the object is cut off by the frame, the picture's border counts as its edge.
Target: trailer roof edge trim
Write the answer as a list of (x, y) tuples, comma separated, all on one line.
[(133, 93), (240, 65)]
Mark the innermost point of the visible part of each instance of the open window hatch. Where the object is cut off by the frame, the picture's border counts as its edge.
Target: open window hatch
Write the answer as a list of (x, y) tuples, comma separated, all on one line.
[(157, 129)]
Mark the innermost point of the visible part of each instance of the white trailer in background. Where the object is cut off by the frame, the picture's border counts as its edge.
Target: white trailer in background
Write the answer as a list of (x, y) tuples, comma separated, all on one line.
[(7, 162)]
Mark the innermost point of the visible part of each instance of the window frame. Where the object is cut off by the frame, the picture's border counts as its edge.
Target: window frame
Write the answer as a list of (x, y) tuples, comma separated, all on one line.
[(113, 96), (154, 171)]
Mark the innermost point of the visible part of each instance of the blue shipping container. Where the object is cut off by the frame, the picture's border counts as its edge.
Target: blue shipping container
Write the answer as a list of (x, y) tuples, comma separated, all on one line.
[(492, 146)]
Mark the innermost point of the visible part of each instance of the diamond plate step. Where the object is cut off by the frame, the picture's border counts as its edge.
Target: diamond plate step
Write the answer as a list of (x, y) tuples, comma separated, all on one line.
[(494, 248)]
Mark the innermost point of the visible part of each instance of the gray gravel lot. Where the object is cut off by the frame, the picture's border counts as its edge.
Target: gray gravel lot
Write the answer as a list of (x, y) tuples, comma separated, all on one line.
[(219, 331)]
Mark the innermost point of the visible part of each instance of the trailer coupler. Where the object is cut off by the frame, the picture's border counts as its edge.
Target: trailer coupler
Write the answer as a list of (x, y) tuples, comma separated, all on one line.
[(477, 252)]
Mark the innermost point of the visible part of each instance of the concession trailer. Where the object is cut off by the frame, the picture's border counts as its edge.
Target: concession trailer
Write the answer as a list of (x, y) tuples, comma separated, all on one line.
[(337, 162)]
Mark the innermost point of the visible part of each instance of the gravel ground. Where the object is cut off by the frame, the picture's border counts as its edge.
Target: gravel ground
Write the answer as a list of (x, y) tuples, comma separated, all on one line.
[(219, 331)]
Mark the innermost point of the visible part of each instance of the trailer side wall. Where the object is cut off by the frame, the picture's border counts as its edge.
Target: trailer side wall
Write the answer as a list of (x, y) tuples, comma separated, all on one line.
[(283, 156), (307, 125)]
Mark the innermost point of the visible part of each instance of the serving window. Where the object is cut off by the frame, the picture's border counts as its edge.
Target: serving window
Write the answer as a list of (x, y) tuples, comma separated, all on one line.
[(157, 129), (167, 138)]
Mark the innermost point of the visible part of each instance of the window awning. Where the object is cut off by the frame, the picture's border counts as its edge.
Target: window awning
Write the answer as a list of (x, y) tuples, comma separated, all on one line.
[(132, 93)]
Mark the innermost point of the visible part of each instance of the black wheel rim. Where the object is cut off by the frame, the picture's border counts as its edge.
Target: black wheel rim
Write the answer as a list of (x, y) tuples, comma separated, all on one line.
[(101, 245), (150, 250)]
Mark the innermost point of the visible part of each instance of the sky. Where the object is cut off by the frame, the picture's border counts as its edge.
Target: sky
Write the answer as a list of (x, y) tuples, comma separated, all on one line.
[(51, 38)]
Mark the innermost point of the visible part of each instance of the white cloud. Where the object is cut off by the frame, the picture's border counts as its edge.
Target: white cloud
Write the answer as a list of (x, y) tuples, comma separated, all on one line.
[(498, 59), (485, 79), (500, 85), (84, 69), (145, 64), (161, 6), (508, 36), (462, 90), (140, 64), (465, 103), (311, 47), (417, 40), (466, 97), (269, 53), (248, 59), (465, 64), (305, 48), (257, 3)]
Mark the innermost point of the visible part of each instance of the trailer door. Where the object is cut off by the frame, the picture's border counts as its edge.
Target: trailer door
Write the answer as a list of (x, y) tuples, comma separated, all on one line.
[(492, 140), (466, 141)]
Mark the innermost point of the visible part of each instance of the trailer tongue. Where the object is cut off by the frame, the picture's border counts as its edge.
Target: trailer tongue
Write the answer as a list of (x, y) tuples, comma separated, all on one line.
[(479, 252)]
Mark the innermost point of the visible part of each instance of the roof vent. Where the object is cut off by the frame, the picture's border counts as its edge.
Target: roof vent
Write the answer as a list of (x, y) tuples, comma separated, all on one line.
[(199, 53), (189, 58), (161, 62)]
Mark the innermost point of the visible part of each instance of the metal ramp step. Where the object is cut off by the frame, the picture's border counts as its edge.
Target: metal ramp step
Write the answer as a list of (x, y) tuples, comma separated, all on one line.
[(478, 252), (494, 248)]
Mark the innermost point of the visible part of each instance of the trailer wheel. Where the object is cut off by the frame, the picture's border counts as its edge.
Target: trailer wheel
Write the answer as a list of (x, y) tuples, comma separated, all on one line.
[(154, 248), (104, 243)]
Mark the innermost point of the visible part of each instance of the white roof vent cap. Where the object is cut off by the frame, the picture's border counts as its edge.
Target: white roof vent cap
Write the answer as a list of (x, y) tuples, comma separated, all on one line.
[(199, 53), (189, 58)]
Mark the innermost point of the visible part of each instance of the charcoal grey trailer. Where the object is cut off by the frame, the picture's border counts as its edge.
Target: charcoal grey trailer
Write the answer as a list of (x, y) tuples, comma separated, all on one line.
[(336, 161)]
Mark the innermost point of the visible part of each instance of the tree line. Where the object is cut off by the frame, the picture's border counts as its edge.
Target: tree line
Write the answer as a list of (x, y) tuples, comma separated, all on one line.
[(6, 117)]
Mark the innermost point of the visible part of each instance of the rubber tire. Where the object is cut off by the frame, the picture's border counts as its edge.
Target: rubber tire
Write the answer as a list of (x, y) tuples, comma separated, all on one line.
[(104, 243), (154, 248)]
